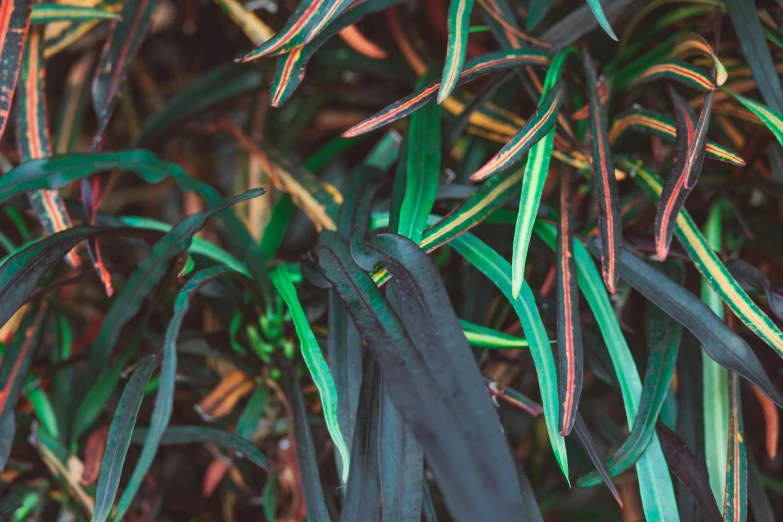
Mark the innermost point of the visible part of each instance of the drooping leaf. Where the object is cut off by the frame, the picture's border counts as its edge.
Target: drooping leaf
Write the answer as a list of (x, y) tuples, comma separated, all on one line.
[(722, 344), (678, 71), (119, 439), (709, 265), (609, 218), (32, 135), (473, 69), (315, 362), (747, 25), (438, 424), (688, 470), (690, 148), (598, 11), (663, 339), (422, 171), (125, 38), (145, 278), (735, 505), (536, 129), (692, 43), (306, 457), (569, 329), (662, 126), (655, 484), (457, 45), (47, 13), (164, 398), (14, 25), (179, 435)]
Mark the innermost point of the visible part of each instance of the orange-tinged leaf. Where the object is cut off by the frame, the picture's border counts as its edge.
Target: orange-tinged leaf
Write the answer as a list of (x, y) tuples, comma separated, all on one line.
[(222, 399), (93, 453), (360, 43), (678, 71), (771, 423)]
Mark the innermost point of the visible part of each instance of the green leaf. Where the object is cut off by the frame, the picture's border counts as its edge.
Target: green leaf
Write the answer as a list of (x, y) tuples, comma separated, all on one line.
[(609, 217), (119, 438), (146, 276), (735, 506), (47, 13), (655, 484), (536, 171), (315, 362), (715, 378), (772, 118), (307, 458), (164, 398), (474, 68), (720, 342), (483, 337), (598, 11), (536, 129), (179, 435), (747, 25), (293, 34), (686, 467), (458, 25), (498, 270), (422, 171), (586, 440), (15, 23), (663, 340)]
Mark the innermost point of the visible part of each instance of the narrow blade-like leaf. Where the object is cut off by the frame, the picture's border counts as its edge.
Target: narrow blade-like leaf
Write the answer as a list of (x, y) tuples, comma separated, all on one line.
[(735, 505), (772, 118), (47, 13), (609, 218), (598, 11), (457, 45), (473, 69), (119, 439), (678, 71), (14, 24), (569, 329)]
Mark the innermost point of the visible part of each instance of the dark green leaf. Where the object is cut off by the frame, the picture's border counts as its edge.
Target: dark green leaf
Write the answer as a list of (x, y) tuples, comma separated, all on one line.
[(14, 24), (119, 439)]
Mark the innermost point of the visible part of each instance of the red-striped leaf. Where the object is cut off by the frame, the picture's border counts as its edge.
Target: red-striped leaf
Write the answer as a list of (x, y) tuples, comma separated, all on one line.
[(290, 68), (735, 500), (678, 71), (459, 20), (569, 330), (609, 224), (689, 153), (14, 24), (473, 69), (539, 124), (32, 135), (662, 126), (293, 34), (330, 10)]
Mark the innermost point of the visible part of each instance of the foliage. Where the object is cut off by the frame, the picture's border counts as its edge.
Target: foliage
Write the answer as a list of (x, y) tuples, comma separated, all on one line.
[(386, 261)]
